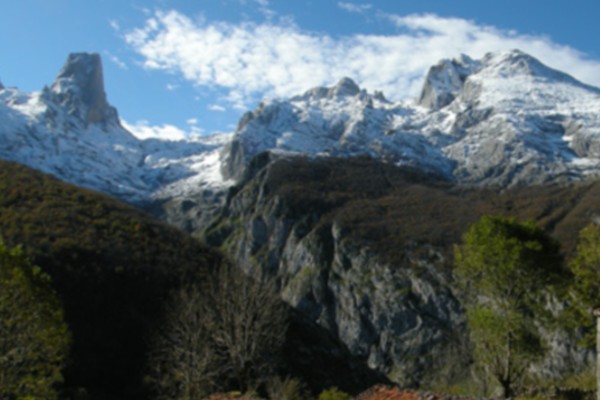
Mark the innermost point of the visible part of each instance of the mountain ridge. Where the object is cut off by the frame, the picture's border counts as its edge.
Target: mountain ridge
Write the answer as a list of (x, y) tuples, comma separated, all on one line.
[(71, 131), (503, 120)]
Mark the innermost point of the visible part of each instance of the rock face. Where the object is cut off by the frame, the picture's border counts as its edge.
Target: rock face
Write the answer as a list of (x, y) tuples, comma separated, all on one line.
[(445, 81), (364, 250), (400, 317), (79, 87)]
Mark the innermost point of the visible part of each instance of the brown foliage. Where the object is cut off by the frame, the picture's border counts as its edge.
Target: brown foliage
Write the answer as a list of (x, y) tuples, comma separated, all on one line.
[(381, 392)]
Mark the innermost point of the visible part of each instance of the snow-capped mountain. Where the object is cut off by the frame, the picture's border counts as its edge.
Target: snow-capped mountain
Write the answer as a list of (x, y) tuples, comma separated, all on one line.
[(505, 120), (69, 130)]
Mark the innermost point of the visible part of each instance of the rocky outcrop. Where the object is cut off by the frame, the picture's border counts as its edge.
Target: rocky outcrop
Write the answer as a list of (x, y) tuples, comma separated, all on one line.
[(400, 317), (364, 250), (79, 87), (445, 81)]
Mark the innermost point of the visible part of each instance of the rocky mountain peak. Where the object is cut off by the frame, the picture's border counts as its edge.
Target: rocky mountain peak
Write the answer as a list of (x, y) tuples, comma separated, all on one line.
[(445, 81), (1, 86), (345, 87), (512, 63), (79, 86)]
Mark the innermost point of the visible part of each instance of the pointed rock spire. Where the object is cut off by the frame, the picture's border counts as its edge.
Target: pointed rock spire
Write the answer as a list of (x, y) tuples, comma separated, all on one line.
[(79, 86), (345, 87)]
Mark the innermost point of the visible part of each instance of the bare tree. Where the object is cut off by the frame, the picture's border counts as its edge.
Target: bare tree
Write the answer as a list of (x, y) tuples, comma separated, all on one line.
[(224, 334), (181, 359)]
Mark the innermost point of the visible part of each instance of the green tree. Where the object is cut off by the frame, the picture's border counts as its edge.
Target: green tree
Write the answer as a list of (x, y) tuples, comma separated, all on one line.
[(585, 267), (34, 338), (507, 272)]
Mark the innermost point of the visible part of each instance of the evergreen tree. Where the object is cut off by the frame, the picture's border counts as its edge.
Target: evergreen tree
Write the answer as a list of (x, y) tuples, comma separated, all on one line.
[(508, 271), (34, 338)]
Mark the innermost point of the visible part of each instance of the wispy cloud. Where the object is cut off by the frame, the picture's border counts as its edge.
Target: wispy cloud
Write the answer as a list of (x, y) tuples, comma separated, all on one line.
[(216, 107), (116, 60), (354, 8), (249, 61), (114, 24)]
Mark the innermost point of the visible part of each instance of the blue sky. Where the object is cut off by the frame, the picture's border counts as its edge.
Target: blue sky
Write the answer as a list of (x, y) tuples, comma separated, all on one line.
[(179, 67)]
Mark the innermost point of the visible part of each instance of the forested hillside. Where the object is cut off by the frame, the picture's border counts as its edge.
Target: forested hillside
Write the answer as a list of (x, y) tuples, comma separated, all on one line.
[(114, 268), (111, 265)]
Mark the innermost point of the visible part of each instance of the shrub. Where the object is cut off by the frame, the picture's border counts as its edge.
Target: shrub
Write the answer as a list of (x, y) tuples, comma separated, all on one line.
[(334, 394), (287, 389)]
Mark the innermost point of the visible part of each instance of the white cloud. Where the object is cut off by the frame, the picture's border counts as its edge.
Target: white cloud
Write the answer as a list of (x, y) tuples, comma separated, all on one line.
[(354, 8), (251, 60), (142, 130), (216, 107), (114, 25), (116, 60), (171, 87), (192, 121)]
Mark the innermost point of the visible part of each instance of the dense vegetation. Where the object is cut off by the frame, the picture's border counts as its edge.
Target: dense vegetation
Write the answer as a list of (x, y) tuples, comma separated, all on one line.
[(34, 338), (112, 267), (508, 272), (115, 270)]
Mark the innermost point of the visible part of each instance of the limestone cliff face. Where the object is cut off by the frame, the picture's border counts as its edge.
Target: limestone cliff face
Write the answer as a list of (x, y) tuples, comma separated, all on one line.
[(79, 87), (364, 250), (399, 316)]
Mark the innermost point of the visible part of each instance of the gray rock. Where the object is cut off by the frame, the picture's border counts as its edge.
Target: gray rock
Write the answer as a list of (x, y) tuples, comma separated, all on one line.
[(79, 87)]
